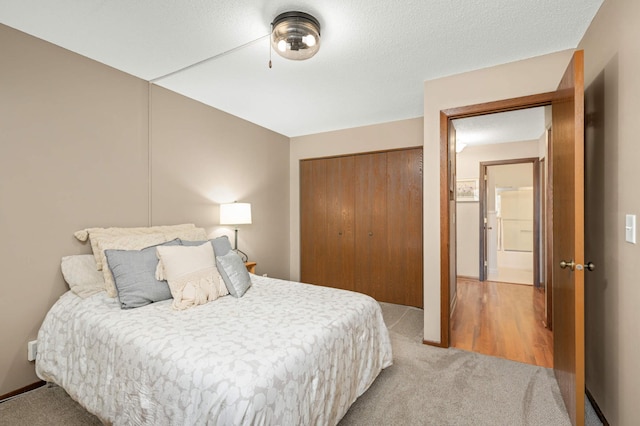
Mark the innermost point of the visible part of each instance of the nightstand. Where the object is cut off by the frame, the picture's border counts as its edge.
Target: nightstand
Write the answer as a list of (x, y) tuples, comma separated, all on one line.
[(251, 267)]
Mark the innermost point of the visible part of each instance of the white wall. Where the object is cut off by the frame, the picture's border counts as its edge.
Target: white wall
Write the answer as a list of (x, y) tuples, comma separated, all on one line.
[(527, 77), (468, 214)]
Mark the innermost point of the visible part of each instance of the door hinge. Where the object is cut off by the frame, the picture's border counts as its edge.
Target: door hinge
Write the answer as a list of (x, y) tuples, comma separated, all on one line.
[(485, 220), (485, 263), (485, 177)]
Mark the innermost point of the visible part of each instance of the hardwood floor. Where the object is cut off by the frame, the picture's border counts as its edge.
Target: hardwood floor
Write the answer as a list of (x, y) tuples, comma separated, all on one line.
[(503, 320)]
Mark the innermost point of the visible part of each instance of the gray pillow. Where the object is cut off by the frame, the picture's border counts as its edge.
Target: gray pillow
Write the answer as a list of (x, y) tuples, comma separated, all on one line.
[(234, 273), (221, 245), (134, 272)]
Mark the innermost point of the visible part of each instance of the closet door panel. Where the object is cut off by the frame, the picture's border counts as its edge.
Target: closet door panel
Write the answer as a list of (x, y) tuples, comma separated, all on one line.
[(361, 224), (370, 225), (340, 230), (313, 219), (404, 225)]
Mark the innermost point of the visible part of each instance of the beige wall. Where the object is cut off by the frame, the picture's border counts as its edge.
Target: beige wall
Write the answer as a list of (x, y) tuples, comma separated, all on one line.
[(397, 134), (75, 152), (202, 157), (612, 293), (468, 214), (527, 77)]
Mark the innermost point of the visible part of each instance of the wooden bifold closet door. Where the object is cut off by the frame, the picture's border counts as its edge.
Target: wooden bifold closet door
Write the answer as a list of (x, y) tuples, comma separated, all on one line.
[(361, 224)]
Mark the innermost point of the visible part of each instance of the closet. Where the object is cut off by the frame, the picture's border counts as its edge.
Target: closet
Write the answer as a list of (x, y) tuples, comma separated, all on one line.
[(361, 224)]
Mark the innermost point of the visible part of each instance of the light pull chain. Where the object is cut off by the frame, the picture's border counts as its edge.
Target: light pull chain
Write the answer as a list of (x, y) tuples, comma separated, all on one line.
[(269, 44)]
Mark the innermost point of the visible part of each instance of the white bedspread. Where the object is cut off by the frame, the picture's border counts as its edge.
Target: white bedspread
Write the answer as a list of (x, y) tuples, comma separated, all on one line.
[(284, 354)]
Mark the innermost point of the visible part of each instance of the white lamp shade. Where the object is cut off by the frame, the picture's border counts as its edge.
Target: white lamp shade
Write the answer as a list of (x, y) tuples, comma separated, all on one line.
[(235, 214)]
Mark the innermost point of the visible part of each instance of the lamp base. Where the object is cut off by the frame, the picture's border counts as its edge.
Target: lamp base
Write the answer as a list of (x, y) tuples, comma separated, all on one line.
[(242, 254)]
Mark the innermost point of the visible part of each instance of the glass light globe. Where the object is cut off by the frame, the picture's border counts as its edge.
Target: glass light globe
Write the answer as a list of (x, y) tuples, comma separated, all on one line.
[(295, 35)]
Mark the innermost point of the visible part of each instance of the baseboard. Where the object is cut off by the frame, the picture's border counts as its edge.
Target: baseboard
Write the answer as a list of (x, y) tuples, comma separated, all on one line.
[(27, 388), (436, 344), (467, 277), (595, 406)]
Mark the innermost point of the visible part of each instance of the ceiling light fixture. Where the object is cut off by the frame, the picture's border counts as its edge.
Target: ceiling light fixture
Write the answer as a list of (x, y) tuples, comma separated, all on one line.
[(295, 35)]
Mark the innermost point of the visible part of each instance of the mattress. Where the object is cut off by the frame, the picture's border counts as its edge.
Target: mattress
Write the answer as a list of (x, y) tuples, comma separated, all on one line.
[(286, 353)]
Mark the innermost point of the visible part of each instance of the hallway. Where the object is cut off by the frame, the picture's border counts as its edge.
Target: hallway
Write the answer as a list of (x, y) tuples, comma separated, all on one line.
[(503, 320)]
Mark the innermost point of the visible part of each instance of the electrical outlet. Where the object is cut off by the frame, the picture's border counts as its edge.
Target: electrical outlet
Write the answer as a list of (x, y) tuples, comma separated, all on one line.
[(32, 350)]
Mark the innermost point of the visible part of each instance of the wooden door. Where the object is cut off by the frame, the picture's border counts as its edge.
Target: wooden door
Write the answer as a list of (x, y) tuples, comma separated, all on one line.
[(327, 222), (568, 238), (340, 229), (483, 189), (404, 228), (543, 220), (548, 269), (313, 219), (361, 224), (370, 224)]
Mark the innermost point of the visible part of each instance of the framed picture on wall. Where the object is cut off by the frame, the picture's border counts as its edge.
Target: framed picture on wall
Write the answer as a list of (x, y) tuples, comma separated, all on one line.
[(467, 190)]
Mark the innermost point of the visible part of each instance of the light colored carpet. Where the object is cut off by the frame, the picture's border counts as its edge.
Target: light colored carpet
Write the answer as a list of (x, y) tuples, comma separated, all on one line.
[(425, 386), (433, 386), (46, 406)]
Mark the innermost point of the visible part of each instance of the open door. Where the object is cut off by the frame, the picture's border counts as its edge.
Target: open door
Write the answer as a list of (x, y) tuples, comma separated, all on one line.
[(453, 267), (488, 268), (568, 237)]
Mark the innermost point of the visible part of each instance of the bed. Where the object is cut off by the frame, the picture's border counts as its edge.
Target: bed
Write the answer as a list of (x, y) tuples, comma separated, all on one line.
[(286, 353)]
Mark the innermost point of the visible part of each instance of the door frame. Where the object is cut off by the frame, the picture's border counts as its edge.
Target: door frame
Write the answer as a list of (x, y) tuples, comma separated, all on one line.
[(482, 228), (548, 203), (447, 185)]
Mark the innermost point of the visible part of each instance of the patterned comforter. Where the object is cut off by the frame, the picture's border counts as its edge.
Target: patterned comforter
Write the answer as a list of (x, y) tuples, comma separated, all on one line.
[(284, 354)]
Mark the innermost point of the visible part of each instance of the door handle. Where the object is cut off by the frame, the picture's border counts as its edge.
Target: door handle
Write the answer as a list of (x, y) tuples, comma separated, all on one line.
[(572, 265), (589, 266)]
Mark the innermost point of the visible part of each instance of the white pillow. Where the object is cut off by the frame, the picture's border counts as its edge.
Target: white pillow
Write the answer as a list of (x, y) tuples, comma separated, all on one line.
[(81, 274), (192, 274), (185, 230)]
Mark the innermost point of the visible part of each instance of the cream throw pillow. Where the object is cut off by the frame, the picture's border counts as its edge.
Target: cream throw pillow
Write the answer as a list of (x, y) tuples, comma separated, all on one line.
[(192, 274), (184, 231), (161, 276), (80, 273), (194, 234)]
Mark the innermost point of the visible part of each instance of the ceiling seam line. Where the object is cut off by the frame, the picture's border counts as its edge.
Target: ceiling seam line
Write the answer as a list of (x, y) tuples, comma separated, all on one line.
[(211, 58)]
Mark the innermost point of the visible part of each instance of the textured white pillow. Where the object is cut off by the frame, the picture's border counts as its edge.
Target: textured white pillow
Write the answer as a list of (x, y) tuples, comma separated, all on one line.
[(81, 274), (192, 274), (193, 234), (172, 231)]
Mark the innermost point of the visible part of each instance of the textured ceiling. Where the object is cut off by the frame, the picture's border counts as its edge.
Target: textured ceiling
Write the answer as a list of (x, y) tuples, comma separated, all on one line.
[(374, 58)]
